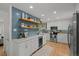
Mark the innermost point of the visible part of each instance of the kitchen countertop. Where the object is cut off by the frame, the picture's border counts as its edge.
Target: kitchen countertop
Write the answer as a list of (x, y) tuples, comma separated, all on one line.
[(24, 39), (21, 40)]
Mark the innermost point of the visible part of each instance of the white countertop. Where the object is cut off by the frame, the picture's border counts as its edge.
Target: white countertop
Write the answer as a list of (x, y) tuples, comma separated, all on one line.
[(27, 39), (24, 39)]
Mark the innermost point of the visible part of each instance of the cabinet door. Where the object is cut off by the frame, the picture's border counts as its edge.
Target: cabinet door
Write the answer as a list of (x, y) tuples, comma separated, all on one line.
[(34, 44), (28, 49), (24, 49), (21, 48), (47, 37), (44, 39), (30, 46), (62, 38)]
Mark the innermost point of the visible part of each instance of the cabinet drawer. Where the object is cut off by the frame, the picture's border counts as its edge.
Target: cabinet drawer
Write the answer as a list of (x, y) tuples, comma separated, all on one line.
[(24, 49), (33, 44)]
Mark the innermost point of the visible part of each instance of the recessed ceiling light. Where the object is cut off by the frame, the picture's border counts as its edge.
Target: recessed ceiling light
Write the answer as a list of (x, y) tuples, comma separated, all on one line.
[(31, 7), (54, 12), (42, 15)]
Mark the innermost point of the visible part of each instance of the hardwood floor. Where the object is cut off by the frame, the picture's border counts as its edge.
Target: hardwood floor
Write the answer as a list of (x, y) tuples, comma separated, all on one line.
[(59, 49), (53, 49), (2, 51)]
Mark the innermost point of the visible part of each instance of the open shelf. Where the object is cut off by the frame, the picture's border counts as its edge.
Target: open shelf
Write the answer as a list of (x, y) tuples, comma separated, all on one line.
[(28, 27), (28, 20)]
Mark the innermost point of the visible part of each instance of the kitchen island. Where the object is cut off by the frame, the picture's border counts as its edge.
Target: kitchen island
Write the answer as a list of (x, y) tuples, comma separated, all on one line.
[(27, 46)]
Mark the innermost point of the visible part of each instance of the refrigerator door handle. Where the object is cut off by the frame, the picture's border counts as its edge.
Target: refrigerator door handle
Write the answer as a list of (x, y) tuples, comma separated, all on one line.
[(68, 36)]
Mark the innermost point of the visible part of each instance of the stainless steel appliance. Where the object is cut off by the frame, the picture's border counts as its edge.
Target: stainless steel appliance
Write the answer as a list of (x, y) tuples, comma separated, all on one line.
[(73, 35), (53, 33), (40, 41), (70, 39)]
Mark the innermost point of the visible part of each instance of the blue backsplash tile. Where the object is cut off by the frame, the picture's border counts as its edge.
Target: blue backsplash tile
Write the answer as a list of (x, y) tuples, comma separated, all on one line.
[(16, 14)]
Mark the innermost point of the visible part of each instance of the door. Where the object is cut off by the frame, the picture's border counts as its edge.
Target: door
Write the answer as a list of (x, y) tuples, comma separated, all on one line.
[(25, 49), (33, 44), (40, 41), (76, 33), (1, 32), (73, 36), (44, 39), (69, 35)]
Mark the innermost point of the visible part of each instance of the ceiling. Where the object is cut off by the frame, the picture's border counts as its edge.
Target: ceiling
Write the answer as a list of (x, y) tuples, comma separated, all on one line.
[(51, 11)]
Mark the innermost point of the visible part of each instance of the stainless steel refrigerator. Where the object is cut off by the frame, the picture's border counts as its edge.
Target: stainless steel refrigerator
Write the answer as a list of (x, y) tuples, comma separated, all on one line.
[(73, 35)]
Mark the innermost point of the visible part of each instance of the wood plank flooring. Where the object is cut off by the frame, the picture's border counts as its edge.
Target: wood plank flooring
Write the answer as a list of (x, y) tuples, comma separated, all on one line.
[(59, 49), (53, 49), (2, 51)]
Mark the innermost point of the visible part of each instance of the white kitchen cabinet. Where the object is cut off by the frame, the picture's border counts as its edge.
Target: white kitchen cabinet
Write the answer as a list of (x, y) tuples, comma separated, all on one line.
[(33, 43), (46, 37), (62, 38), (22, 49), (25, 47)]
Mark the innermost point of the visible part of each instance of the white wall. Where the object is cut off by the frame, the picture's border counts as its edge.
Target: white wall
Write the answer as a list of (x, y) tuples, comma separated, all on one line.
[(61, 23), (7, 32), (77, 6), (1, 22), (5, 16), (1, 28)]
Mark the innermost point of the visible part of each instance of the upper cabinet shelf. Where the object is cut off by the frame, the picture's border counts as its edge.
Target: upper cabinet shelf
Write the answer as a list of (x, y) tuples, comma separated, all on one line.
[(26, 27), (29, 20)]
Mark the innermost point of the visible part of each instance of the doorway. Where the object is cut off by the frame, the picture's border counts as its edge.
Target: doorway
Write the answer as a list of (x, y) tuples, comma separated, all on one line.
[(53, 33), (1, 38)]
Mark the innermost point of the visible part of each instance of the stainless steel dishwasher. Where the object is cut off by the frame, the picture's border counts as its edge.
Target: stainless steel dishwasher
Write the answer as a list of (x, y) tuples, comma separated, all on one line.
[(40, 41)]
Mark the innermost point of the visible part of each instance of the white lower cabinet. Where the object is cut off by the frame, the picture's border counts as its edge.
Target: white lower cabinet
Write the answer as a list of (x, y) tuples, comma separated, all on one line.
[(25, 48), (62, 38), (33, 44), (46, 37)]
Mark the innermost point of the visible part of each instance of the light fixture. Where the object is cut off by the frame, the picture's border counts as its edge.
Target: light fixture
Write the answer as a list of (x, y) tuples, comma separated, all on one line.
[(54, 12), (31, 7), (42, 15)]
